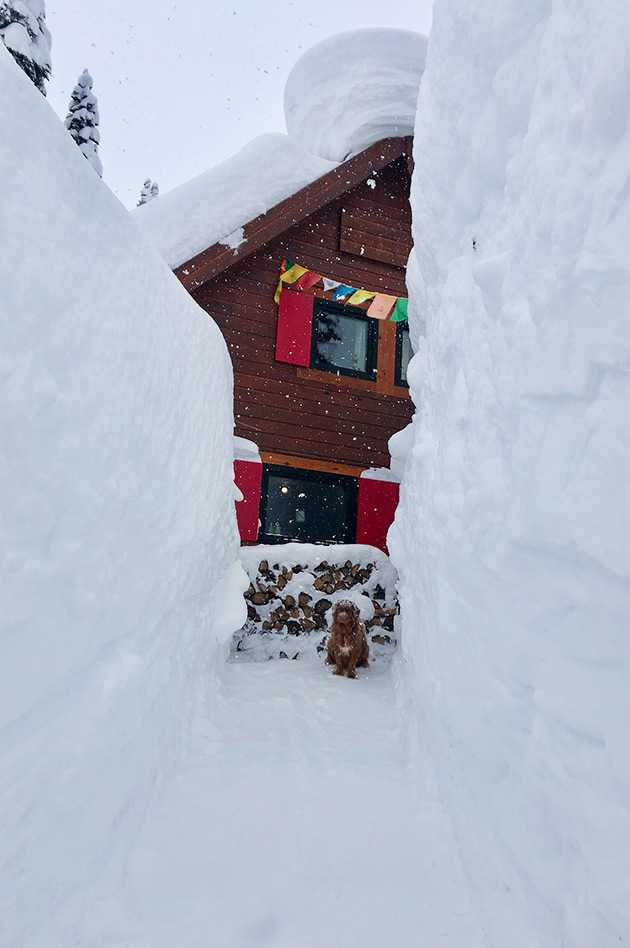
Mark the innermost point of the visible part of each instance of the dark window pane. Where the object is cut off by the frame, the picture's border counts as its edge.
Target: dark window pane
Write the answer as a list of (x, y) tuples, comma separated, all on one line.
[(314, 508), (344, 340)]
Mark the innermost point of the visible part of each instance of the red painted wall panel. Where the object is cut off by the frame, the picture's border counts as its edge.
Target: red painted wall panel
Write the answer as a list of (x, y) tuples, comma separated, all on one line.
[(377, 505), (247, 477), (295, 323)]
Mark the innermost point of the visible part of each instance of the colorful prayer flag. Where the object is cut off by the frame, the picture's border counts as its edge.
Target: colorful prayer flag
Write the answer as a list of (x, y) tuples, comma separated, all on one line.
[(342, 291), (360, 296), (293, 273), (276, 295), (400, 311), (381, 306), (330, 284), (307, 280)]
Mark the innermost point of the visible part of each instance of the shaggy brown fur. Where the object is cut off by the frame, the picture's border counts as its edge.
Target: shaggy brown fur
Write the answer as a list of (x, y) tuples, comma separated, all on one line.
[(347, 646)]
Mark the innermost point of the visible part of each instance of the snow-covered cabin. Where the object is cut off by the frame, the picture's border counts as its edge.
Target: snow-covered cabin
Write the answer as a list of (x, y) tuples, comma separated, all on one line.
[(300, 259)]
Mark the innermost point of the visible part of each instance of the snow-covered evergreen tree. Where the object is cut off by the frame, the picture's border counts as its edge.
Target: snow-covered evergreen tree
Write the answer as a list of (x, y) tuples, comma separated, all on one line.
[(24, 33), (82, 120), (149, 191)]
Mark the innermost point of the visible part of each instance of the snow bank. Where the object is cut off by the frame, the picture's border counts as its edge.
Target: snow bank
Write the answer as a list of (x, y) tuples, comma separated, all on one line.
[(512, 533), (116, 522), (354, 89), (215, 204)]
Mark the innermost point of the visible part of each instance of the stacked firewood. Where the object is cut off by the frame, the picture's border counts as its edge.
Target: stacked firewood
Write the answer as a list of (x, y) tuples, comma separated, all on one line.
[(270, 609)]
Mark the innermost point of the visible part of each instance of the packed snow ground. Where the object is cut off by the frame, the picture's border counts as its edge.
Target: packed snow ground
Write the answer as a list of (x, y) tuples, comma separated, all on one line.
[(292, 823)]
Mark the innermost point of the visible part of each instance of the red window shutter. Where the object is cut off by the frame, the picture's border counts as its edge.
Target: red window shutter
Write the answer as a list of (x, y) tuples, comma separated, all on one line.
[(295, 324)]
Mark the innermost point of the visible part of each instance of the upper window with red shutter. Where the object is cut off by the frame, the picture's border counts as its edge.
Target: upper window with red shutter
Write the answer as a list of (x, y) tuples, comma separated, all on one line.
[(325, 335)]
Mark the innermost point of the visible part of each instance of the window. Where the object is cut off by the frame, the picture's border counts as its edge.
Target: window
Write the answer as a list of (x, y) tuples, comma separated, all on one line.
[(403, 354), (344, 340), (311, 506)]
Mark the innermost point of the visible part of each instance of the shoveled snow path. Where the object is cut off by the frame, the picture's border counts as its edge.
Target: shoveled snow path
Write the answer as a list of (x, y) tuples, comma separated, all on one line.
[(293, 824)]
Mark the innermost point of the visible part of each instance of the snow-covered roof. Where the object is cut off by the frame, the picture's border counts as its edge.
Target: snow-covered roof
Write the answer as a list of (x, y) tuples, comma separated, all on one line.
[(215, 204), (344, 94)]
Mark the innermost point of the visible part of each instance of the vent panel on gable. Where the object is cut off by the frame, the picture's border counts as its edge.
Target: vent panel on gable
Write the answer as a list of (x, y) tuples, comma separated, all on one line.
[(365, 234)]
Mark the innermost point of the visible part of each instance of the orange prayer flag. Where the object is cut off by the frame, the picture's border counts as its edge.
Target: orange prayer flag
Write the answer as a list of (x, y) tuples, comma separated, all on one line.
[(381, 306)]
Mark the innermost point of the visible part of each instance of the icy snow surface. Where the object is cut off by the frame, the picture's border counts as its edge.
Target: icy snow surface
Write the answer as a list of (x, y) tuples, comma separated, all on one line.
[(218, 202), (116, 522), (512, 536), (354, 89)]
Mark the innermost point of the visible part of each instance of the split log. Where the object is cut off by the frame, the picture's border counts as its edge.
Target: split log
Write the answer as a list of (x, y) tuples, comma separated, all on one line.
[(321, 606)]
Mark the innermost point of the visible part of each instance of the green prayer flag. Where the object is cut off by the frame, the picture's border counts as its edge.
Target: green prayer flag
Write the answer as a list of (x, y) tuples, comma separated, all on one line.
[(400, 311)]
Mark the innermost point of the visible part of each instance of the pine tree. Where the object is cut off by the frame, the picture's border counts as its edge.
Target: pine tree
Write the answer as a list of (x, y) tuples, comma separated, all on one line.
[(82, 120), (149, 191), (24, 33)]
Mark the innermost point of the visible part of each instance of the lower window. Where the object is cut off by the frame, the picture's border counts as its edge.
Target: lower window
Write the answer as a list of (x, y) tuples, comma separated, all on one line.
[(311, 506)]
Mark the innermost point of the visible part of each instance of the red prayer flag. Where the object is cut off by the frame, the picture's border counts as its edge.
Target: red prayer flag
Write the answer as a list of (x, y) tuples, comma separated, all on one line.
[(307, 280)]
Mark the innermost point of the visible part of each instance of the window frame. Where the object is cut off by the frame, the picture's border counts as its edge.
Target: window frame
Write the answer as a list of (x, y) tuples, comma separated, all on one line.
[(353, 312), (320, 477), (398, 379)]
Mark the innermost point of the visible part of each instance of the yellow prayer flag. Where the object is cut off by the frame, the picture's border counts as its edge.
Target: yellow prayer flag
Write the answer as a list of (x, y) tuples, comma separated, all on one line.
[(359, 296), (276, 295), (381, 306), (296, 271)]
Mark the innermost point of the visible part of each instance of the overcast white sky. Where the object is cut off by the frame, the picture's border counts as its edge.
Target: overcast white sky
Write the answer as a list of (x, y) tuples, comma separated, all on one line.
[(182, 86)]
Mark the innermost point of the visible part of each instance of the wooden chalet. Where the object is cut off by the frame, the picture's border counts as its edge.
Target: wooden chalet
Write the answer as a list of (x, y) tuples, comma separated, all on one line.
[(319, 386)]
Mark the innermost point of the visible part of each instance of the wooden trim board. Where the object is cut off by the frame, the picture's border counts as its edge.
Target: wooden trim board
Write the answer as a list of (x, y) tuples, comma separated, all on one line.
[(308, 464)]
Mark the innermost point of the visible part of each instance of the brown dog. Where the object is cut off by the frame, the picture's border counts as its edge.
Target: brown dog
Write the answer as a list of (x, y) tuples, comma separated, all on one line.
[(347, 646)]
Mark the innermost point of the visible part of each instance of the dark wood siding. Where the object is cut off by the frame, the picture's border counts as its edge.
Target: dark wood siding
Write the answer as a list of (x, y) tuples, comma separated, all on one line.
[(297, 412)]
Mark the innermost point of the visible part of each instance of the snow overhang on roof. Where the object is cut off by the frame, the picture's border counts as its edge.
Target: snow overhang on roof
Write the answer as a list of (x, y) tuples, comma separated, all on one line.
[(212, 206)]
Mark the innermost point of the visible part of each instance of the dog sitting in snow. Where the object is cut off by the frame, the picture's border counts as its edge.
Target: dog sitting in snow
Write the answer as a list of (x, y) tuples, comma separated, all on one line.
[(347, 646)]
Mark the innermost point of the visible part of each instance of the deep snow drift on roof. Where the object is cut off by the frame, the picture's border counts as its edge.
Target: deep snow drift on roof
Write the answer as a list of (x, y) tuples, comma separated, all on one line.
[(354, 89), (116, 521), (212, 206)]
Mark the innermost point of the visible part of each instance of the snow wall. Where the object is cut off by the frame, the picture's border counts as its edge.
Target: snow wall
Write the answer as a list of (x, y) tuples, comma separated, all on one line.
[(512, 535), (116, 520)]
